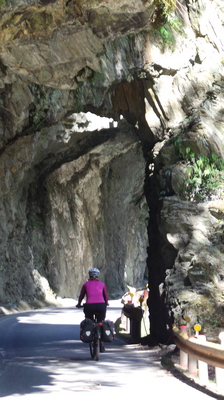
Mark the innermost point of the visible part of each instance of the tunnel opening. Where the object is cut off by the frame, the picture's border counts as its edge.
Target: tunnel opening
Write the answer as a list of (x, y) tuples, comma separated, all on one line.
[(90, 201), (93, 211), (97, 205)]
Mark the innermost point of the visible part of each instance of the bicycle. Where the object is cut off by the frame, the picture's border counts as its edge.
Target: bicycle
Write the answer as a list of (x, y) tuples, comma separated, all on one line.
[(94, 345), (96, 342)]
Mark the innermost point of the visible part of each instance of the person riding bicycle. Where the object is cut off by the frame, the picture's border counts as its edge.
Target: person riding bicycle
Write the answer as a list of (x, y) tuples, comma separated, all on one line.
[(96, 298)]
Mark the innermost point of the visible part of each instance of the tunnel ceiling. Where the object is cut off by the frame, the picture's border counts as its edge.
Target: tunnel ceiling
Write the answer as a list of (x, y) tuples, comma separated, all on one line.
[(58, 43)]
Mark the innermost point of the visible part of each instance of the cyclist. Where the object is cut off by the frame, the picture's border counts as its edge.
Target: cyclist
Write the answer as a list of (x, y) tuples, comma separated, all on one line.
[(96, 298)]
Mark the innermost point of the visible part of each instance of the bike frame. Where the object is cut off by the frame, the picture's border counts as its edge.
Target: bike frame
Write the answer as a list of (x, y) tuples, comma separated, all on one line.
[(94, 346)]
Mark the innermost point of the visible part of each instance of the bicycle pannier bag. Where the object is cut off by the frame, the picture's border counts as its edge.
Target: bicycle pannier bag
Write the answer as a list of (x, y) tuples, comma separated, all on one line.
[(108, 331), (86, 330)]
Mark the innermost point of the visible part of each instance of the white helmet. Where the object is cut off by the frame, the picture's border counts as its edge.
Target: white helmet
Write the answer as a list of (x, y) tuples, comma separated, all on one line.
[(94, 273)]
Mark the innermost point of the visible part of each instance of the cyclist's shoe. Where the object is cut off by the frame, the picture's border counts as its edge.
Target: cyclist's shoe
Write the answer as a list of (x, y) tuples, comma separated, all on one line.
[(102, 348)]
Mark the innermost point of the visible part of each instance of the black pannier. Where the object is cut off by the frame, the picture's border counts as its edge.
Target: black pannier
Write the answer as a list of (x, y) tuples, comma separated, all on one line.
[(86, 330), (108, 331)]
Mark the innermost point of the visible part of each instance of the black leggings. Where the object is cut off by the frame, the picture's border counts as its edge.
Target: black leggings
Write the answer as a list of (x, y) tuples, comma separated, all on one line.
[(95, 309)]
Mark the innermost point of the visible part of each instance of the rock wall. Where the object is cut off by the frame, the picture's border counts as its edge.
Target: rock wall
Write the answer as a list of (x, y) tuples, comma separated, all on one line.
[(66, 217), (96, 217), (74, 197)]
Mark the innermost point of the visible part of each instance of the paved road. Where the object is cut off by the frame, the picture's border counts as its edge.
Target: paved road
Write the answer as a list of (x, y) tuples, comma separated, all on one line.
[(42, 355)]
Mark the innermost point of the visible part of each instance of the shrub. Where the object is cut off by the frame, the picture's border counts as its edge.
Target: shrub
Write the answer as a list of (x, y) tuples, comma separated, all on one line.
[(205, 175)]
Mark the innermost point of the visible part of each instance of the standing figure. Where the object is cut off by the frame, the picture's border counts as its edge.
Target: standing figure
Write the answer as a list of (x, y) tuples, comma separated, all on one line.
[(96, 296), (96, 299)]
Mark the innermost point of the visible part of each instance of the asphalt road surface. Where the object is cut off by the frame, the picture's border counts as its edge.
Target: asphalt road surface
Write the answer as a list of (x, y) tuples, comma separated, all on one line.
[(41, 355)]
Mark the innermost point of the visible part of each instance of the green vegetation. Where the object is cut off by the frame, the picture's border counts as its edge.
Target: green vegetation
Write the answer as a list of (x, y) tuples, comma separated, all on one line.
[(204, 174), (166, 24), (39, 111), (167, 38), (97, 77), (38, 117), (166, 33), (213, 320)]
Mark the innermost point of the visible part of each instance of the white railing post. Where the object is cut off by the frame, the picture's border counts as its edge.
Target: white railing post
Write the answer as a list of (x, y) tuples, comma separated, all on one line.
[(198, 347), (193, 362), (192, 366), (202, 366), (183, 359), (219, 372), (183, 355), (219, 378)]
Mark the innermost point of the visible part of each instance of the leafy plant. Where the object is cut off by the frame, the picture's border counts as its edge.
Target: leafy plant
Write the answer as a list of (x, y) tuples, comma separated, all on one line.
[(204, 173), (175, 24), (38, 117), (166, 25), (38, 113), (166, 36), (213, 321)]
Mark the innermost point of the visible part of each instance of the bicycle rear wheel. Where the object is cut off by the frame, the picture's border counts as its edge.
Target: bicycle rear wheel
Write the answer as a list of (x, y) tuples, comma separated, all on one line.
[(97, 349), (92, 349)]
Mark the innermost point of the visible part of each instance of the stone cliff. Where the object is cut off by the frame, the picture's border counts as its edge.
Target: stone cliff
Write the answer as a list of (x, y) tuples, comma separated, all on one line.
[(136, 191)]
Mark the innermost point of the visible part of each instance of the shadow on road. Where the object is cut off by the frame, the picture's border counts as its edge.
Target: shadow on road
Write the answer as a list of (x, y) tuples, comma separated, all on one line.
[(72, 370), (43, 354)]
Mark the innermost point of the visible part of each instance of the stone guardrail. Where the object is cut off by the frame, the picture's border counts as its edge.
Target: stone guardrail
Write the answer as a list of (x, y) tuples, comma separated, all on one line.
[(196, 354)]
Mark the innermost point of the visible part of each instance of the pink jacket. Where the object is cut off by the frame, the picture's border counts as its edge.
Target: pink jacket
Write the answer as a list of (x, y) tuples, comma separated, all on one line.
[(95, 292)]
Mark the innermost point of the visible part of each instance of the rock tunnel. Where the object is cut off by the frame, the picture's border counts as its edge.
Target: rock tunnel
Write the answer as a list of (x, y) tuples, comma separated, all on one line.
[(97, 111)]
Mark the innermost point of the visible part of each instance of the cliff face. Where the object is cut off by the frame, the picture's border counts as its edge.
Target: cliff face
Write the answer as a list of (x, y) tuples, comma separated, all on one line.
[(139, 192)]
